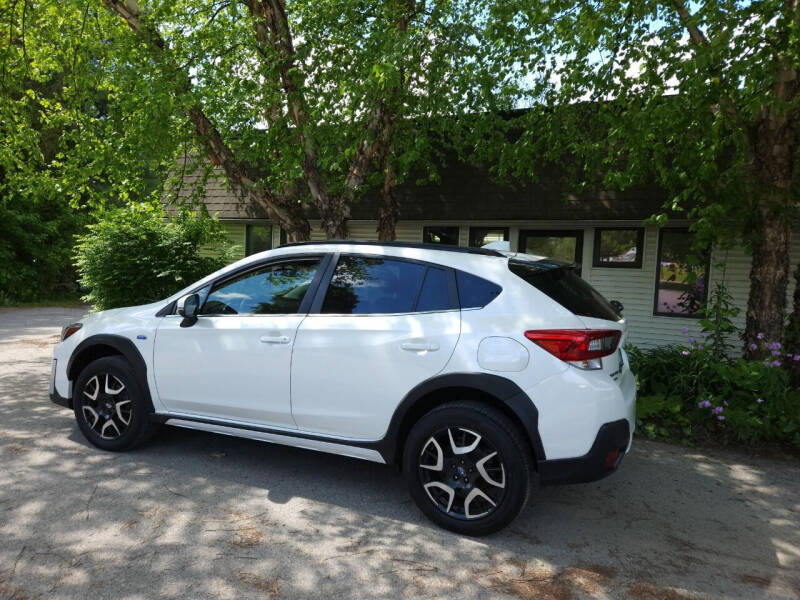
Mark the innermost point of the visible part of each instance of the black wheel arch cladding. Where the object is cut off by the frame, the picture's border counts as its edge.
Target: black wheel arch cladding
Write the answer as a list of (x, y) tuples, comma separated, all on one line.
[(504, 391), (102, 345)]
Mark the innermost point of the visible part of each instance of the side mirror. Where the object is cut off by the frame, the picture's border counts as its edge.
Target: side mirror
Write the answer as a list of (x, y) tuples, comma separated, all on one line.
[(187, 307), (617, 306)]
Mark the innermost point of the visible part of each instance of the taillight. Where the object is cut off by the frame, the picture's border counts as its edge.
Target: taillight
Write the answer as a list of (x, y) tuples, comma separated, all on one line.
[(581, 347)]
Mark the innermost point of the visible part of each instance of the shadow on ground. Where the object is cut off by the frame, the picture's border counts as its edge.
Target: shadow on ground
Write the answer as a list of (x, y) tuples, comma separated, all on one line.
[(201, 515)]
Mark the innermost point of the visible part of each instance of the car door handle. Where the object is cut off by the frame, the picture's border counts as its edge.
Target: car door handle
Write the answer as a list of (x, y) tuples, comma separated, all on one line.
[(419, 346), (274, 339)]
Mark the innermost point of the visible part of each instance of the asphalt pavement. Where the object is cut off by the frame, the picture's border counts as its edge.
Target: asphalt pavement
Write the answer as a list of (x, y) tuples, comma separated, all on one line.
[(199, 515)]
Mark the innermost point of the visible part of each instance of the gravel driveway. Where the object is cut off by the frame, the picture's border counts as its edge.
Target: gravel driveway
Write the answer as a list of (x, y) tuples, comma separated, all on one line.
[(196, 515)]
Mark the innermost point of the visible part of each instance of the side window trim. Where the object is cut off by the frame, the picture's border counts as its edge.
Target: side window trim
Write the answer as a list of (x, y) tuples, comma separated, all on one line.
[(305, 304), (322, 290)]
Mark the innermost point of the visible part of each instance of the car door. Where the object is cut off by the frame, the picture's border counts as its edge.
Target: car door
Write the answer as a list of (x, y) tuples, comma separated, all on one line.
[(382, 326), (233, 362)]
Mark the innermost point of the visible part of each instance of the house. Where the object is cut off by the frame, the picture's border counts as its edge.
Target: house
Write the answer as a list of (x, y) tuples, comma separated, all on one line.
[(643, 267)]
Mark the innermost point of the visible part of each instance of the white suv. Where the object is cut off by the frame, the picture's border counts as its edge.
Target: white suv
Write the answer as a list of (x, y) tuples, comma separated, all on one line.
[(468, 368)]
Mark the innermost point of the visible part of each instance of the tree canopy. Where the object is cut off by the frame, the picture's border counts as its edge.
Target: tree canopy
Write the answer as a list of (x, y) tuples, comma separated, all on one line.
[(700, 96)]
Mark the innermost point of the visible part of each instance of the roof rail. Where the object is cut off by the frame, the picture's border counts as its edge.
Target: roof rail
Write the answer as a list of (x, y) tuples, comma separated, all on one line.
[(440, 247)]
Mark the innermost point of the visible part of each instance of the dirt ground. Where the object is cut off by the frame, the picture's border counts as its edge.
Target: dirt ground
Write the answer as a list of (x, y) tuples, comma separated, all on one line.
[(198, 515)]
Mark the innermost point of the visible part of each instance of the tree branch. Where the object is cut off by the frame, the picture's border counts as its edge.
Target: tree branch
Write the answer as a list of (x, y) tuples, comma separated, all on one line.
[(283, 210), (695, 34), (378, 136), (274, 38), (699, 39)]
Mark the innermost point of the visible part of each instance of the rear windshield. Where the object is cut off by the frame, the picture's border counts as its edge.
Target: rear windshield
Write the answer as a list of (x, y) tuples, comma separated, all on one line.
[(559, 281)]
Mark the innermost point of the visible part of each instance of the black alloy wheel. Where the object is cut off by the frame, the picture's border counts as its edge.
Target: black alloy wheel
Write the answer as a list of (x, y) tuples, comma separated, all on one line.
[(468, 467), (110, 407)]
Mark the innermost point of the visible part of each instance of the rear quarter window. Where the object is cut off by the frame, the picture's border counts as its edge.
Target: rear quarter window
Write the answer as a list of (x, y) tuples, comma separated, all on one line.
[(560, 282), (475, 292)]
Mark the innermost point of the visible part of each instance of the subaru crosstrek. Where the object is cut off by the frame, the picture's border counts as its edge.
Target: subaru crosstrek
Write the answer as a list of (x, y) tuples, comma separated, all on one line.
[(472, 370)]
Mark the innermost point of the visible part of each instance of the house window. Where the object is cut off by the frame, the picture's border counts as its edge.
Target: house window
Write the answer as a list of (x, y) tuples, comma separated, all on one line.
[(258, 238), (563, 245), (440, 235), (681, 279), (480, 236), (618, 247)]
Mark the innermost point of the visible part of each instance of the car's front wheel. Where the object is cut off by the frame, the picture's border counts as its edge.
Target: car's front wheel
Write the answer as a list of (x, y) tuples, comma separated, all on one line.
[(467, 467), (110, 406)]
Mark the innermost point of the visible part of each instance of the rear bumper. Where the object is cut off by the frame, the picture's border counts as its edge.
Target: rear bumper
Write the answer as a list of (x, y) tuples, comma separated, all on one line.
[(595, 464)]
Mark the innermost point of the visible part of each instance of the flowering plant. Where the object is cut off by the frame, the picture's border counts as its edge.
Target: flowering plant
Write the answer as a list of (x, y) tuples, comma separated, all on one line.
[(688, 391)]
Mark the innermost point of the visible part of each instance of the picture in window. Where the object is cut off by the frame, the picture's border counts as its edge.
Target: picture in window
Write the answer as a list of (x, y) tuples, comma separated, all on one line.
[(258, 239), (480, 236), (618, 247), (681, 275)]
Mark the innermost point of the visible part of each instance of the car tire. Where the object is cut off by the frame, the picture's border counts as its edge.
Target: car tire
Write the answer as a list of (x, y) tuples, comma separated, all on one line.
[(460, 447), (110, 406)]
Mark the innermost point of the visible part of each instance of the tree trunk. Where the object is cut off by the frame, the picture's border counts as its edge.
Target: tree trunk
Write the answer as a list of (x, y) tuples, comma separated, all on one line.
[(293, 221), (774, 147), (390, 209), (792, 336), (769, 278)]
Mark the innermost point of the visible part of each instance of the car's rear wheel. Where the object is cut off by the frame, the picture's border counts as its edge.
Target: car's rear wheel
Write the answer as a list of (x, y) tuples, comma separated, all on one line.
[(467, 467), (110, 407)]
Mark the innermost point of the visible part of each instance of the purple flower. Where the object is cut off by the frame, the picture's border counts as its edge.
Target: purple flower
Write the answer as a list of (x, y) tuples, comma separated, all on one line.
[(720, 417), (776, 353), (759, 400), (685, 330), (699, 346), (685, 353), (796, 357), (704, 404), (760, 336), (691, 340), (753, 346), (717, 410), (776, 363)]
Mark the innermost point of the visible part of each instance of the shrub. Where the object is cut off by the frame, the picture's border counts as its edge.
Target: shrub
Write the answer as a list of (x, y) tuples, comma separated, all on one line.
[(36, 237), (688, 391), (138, 254)]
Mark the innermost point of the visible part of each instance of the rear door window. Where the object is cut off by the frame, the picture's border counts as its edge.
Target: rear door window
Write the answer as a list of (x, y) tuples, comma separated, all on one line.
[(560, 282), (367, 285), (434, 294)]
